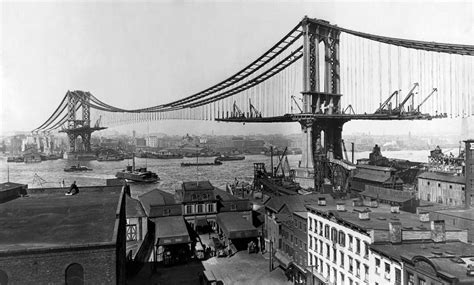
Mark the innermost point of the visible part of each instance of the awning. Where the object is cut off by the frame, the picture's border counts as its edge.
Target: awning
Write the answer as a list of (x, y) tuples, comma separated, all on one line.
[(171, 230), (235, 226), (283, 259)]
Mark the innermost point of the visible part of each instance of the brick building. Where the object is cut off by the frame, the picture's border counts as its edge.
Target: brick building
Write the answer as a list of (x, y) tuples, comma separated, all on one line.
[(50, 238)]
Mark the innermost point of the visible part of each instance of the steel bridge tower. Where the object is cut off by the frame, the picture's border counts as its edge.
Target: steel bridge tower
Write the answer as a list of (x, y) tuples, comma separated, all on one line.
[(79, 127), (322, 137)]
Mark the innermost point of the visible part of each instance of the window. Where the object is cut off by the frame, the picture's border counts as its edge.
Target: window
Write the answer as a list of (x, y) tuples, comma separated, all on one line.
[(74, 274), (132, 232), (233, 207), (350, 281), (321, 228), (342, 238), (439, 184), (210, 208), (315, 244), (310, 224), (366, 272), (189, 209), (351, 267), (328, 270), (166, 212), (387, 271), (334, 254), (410, 278), (398, 276), (428, 183), (326, 231), (194, 197), (377, 265), (366, 250), (357, 268), (200, 208), (333, 235), (341, 261), (321, 247), (357, 246), (205, 196), (327, 251), (421, 281), (305, 227), (310, 243), (450, 187), (304, 246), (342, 278), (334, 273), (350, 242)]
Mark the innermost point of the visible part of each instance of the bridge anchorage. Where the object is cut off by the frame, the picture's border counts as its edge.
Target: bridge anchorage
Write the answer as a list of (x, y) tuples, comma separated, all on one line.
[(79, 128)]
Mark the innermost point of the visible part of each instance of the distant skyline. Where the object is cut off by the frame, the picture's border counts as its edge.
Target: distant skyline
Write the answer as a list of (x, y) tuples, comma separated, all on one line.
[(139, 54)]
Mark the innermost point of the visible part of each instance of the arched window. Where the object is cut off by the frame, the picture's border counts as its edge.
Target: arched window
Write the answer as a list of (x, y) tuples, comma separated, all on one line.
[(3, 278), (74, 274)]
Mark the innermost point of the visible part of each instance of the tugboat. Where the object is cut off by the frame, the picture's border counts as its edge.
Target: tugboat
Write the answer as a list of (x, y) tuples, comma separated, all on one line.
[(229, 158), (78, 167), (140, 175)]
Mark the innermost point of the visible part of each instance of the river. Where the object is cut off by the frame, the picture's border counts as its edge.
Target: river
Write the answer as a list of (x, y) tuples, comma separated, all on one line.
[(170, 171)]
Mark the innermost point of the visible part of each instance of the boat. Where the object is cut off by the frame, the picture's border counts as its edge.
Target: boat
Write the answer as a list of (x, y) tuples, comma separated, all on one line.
[(139, 175), (15, 159), (229, 158), (216, 162), (110, 158), (75, 168)]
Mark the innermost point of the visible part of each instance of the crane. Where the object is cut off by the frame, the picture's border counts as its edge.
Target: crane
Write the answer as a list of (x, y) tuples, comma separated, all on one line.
[(236, 113), (254, 113), (382, 109), (424, 100), (410, 94)]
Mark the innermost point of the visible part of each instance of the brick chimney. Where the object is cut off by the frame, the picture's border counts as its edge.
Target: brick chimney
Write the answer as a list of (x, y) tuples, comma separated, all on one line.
[(395, 233), (341, 207), (395, 209), (321, 201), (438, 231), (424, 217)]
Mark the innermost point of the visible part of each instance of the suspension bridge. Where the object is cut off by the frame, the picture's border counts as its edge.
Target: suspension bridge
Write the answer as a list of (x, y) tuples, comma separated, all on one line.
[(319, 75)]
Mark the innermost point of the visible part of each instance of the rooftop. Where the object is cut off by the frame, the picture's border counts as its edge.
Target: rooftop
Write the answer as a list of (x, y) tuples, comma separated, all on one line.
[(451, 257), (443, 177), (197, 186), (10, 185), (156, 197), (387, 194), (51, 219), (235, 226), (295, 203), (380, 217), (461, 213), (134, 208), (374, 167), (171, 230)]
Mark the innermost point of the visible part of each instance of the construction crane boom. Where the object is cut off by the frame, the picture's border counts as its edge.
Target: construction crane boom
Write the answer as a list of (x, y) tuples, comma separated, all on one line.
[(411, 93), (427, 97), (384, 104)]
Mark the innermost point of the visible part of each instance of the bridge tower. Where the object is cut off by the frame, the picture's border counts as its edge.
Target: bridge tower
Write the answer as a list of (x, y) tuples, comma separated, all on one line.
[(76, 128), (322, 137)]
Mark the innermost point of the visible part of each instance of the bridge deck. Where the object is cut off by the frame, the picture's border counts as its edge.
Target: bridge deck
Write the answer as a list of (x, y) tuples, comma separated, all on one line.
[(346, 117)]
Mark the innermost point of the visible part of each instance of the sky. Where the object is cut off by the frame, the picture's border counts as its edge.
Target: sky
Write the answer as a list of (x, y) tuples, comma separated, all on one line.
[(137, 54)]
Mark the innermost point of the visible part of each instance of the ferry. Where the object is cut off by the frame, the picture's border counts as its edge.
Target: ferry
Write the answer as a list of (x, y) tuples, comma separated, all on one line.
[(139, 175)]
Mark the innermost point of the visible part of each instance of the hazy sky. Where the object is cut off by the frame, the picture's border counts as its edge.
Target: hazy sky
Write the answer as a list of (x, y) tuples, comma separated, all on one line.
[(139, 54)]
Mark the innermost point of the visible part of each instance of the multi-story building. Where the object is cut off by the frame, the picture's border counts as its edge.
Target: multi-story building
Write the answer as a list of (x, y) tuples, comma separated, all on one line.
[(340, 235), (442, 188), (152, 141), (294, 248)]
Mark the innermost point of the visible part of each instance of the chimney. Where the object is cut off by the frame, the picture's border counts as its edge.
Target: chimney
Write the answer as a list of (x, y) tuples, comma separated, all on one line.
[(424, 217), (341, 207), (395, 209), (364, 214), (321, 201), (395, 232), (438, 231)]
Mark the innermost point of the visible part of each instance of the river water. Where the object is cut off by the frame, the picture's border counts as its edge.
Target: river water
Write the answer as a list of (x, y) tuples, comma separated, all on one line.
[(169, 170)]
